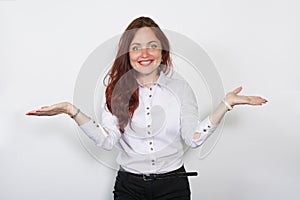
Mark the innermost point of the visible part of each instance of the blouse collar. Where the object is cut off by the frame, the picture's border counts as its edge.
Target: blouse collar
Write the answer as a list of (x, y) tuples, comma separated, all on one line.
[(161, 81)]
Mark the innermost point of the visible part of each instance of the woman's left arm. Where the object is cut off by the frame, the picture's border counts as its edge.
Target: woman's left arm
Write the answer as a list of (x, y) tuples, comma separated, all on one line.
[(233, 99)]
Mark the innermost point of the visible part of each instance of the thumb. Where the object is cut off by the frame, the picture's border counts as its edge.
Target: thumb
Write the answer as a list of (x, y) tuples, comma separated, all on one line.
[(238, 90)]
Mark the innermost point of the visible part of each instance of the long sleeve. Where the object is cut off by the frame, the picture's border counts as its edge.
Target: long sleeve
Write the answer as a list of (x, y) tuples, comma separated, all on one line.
[(206, 129), (190, 123), (105, 134)]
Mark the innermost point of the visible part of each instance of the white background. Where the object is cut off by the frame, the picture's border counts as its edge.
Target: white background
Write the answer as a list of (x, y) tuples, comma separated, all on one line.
[(253, 43)]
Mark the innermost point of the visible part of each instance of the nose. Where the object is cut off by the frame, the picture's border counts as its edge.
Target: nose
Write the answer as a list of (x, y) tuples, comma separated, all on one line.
[(144, 52)]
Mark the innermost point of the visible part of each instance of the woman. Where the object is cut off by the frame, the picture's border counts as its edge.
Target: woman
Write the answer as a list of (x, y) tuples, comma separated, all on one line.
[(148, 117)]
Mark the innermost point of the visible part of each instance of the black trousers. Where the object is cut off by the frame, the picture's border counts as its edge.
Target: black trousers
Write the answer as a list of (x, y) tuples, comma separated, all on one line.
[(129, 187)]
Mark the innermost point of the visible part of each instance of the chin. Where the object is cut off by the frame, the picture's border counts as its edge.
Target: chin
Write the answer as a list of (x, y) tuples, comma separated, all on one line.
[(146, 71)]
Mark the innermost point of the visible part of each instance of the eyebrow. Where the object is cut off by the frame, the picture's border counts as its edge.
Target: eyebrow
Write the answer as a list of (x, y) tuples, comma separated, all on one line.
[(136, 43)]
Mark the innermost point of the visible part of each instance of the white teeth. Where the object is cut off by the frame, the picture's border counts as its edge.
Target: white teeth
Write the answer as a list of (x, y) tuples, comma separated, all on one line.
[(145, 62)]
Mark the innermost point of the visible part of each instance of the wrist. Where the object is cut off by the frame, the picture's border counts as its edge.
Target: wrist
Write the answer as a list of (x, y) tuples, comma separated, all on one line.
[(227, 104), (76, 113), (70, 109), (229, 100)]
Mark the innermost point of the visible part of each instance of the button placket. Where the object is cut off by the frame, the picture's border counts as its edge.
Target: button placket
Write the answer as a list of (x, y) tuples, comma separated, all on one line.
[(148, 125), (150, 92), (152, 161), (148, 121), (150, 144), (148, 105), (148, 100)]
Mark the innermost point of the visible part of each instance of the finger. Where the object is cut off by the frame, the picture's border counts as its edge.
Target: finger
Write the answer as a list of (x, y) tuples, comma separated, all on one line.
[(33, 112), (256, 100), (262, 100), (39, 113), (238, 90), (265, 100), (45, 109)]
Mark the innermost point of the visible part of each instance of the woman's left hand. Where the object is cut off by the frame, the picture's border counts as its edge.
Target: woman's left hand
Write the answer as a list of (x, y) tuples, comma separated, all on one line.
[(234, 99)]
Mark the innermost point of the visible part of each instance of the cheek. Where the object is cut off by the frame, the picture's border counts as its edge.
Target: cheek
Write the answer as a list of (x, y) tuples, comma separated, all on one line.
[(157, 54), (133, 56)]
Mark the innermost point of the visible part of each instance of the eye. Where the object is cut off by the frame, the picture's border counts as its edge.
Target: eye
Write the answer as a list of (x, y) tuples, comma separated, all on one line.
[(134, 48), (153, 46)]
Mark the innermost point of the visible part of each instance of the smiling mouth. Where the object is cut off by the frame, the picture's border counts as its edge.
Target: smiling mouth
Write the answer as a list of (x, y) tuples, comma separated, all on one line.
[(145, 63)]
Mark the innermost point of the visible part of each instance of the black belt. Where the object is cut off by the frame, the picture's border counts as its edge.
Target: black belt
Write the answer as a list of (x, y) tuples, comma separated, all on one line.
[(152, 177)]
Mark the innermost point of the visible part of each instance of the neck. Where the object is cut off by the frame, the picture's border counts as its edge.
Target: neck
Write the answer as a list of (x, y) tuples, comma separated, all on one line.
[(146, 80)]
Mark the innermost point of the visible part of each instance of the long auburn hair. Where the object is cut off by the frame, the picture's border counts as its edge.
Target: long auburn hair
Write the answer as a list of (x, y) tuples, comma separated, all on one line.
[(122, 94)]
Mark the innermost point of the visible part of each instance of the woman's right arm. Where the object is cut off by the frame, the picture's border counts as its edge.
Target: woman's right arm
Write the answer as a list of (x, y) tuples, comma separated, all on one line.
[(61, 108), (105, 135)]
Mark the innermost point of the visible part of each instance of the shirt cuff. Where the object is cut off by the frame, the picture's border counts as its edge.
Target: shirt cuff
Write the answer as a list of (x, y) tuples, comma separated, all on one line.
[(92, 129), (205, 128)]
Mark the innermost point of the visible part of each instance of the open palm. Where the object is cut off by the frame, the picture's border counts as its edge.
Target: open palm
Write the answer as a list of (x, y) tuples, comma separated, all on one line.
[(234, 99), (54, 109)]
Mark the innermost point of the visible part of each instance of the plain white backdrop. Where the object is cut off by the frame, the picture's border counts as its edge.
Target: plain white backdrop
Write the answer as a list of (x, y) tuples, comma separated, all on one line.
[(253, 43)]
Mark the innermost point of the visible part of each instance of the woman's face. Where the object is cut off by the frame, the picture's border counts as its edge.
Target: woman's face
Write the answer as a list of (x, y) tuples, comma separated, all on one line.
[(145, 52)]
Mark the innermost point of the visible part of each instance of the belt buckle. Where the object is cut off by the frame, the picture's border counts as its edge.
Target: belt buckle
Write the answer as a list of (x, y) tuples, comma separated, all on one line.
[(148, 177)]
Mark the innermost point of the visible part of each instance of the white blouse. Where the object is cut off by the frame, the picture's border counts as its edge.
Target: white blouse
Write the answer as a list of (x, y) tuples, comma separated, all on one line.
[(162, 128)]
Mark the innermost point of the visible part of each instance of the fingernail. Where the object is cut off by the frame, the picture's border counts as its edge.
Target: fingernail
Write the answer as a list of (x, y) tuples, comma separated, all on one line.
[(37, 111)]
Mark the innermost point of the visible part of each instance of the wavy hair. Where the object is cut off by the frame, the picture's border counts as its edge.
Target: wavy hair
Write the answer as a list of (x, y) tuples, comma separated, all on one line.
[(122, 94)]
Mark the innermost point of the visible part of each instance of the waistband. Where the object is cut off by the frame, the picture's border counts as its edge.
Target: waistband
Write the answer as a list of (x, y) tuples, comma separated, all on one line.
[(151, 177)]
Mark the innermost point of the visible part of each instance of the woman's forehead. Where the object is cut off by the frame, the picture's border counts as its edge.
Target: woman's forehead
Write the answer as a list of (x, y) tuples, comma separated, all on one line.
[(144, 35)]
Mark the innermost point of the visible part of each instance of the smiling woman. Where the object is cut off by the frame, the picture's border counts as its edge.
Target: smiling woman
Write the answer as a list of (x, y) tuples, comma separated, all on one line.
[(149, 117), (145, 55)]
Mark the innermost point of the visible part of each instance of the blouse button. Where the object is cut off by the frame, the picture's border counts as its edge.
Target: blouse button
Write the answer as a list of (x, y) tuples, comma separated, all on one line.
[(149, 132), (97, 125), (151, 149), (150, 88), (150, 95), (148, 113), (204, 130), (148, 126), (208, 126), (148, 108), (150, 143)]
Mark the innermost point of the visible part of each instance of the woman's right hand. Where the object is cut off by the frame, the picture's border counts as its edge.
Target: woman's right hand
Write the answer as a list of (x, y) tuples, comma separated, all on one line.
[(55, 109)]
